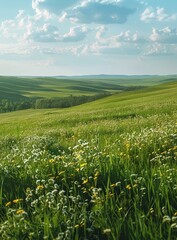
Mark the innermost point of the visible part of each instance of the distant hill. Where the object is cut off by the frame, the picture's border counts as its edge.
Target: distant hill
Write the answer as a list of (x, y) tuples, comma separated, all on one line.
[(107, 76), (21, 88)]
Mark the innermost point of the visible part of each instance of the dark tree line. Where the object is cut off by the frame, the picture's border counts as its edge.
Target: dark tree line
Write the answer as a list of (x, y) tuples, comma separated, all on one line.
[(7, 105), (66, 102)]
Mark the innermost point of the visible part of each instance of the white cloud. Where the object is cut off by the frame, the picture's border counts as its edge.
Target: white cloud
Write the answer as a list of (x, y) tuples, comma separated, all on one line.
[(100, 32), (47, 7), (123, 43), (154, 36), (158, 14), (63, 17), (158, 49), (159, 42), (162, 42), (103, 12), (14, 29), (86, 11), (123, 37), (47, 33), (75, 34), (166, 35), (50, 33)]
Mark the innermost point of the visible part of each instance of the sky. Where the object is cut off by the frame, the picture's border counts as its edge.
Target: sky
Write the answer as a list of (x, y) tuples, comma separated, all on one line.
[(84, 37)]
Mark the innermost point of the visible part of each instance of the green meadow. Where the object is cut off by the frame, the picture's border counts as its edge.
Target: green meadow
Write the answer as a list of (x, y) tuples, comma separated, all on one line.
[(21, 87), (103, 170)]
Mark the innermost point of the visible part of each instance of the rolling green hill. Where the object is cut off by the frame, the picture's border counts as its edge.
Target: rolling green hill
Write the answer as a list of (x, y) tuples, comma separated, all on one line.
[(18, 93), (21, 87), (16, 87), (121, 108)]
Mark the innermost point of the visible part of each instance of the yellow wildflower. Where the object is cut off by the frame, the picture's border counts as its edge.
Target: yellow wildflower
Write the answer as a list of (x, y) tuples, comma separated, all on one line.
[(51, 160), (113, 185), (175, 214), (83, 165), (128, 187), (17, 200), (40, 187), (20, 211), (8, 204), (85, 181), (97, 173)]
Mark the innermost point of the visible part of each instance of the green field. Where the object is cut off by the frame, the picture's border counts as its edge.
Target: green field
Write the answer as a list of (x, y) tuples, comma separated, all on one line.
[(21, 87), (102, 170)]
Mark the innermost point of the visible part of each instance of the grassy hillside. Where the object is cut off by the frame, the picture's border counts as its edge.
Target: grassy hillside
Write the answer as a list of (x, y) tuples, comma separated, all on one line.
[(102, 170), (122, 108)]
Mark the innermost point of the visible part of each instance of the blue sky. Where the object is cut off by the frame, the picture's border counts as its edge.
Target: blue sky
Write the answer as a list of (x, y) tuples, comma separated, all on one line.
[(75, 37)]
